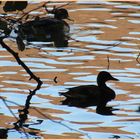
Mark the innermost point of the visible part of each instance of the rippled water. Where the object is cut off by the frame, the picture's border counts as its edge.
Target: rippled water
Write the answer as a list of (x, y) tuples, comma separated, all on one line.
[(102, 31)]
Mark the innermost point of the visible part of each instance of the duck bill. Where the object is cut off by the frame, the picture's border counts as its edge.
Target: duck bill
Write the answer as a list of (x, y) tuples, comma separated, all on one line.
[(115, 79)]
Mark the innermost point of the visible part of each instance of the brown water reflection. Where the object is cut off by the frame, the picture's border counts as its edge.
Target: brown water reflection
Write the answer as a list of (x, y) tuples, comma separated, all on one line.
[(103, 30)]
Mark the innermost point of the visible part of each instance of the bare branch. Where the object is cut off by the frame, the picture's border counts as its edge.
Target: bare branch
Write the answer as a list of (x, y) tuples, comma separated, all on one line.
[(65, 4), (25, 14), (20, 62)]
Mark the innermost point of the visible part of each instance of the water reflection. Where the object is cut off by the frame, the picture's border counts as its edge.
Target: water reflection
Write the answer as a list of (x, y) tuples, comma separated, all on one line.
[(104, 29)]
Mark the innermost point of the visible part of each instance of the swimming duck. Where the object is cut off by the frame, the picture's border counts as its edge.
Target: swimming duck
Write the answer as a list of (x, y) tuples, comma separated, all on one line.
[(91, 95), (47, 29)]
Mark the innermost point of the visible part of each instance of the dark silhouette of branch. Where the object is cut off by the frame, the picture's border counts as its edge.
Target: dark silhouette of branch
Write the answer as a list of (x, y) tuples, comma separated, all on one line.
[(23, 116), (22, 113), (20, 62), (25, 14)]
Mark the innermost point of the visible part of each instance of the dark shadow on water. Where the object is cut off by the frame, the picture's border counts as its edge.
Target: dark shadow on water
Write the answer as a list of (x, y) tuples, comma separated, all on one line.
[(23, 114), (92, 95), (103, 110)]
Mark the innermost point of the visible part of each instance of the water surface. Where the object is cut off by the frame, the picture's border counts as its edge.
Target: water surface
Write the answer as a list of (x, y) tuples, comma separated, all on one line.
[(104, 31)]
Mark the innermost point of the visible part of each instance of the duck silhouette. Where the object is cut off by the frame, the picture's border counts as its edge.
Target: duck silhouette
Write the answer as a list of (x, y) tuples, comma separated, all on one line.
[(92, 95), (49, 29)]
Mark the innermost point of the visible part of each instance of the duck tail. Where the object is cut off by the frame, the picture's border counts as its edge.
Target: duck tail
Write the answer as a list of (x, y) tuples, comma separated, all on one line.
[(61, 93)]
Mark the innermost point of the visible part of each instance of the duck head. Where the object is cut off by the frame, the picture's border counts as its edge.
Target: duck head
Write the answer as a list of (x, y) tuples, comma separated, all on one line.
[(104, 76), (61, 13)]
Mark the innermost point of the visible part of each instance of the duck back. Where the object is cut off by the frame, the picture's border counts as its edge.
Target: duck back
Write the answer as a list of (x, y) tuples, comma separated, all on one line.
[(47, 30), (82, 96)]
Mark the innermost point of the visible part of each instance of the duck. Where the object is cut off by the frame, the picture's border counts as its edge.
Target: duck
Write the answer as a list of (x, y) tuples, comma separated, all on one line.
[(49, 29), (91, 95)]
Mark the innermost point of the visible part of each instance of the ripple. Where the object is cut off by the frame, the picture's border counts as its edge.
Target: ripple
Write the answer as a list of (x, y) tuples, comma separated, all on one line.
[(5, 56), (133, 70), (135, 14), (88, 57), (49, 70), (116, 13), (91, 9), (94, 39), (87, 32), (131, 38), (134, 21), (8, 63), (99, 2), (120, 49), (79, 73), (8, 73), (50, 61), (128, 79), (133, 127), (19, 82), (38, 65), (134, 33), (36, 13), (86, 78), (101, 25), (78, 83), (127, 6)]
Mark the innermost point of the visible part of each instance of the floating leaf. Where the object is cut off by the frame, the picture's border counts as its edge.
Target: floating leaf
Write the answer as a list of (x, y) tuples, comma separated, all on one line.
[(11, 6), (20, 5), (20, 43)]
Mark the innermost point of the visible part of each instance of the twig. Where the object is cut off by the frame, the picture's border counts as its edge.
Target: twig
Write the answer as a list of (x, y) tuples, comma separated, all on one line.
[(55, 79), (23, 114), (108, 66), (60, 122), (114, 45), (137, 59), (43, 5), (4, 101), (65, 4)]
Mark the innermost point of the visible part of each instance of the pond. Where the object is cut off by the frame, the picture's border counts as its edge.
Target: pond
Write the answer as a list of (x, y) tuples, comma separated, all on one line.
[(105, 36)]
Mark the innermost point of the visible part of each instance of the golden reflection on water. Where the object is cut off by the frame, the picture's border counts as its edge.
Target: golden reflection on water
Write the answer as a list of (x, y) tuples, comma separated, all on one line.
[(106, 31)]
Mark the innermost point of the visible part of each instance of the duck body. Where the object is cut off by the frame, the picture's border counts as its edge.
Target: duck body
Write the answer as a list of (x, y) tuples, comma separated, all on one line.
[(47, 29), (90, 95)]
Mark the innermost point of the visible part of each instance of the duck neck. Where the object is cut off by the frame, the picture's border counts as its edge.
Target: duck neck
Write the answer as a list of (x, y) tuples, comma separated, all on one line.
[(101, 84)]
